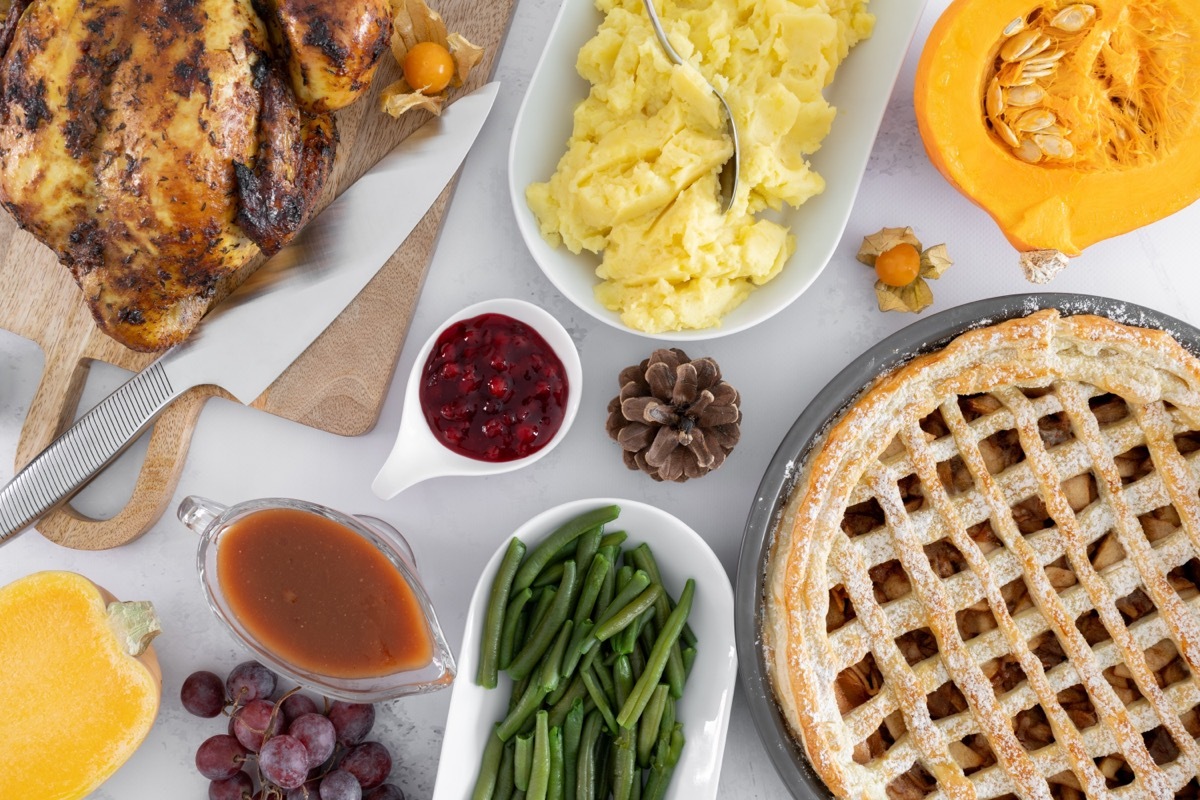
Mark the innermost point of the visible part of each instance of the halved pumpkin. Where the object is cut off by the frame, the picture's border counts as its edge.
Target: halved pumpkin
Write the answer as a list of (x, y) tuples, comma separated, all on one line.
[(79, 685), (1068, 122)]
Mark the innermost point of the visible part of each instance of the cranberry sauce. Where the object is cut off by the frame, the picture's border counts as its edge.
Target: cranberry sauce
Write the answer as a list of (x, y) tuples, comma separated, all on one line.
[(493, 389)]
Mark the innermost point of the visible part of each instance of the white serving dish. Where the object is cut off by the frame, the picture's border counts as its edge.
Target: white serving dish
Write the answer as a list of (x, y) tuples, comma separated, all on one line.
[(704, 708), (860, 91), (417, 455)]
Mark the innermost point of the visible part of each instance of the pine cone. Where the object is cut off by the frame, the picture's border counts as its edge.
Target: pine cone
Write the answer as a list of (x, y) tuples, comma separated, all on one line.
[(675, 418)]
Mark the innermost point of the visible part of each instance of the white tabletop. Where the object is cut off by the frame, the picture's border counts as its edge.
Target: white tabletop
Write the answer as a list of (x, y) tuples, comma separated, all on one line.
[(454, 524)]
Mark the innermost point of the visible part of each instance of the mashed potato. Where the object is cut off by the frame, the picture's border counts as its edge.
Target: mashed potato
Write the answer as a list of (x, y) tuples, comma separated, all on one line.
[(638, 182)]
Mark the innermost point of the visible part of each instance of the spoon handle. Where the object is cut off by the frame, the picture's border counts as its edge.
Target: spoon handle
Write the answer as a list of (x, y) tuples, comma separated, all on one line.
[(731, 170), (661, 34)]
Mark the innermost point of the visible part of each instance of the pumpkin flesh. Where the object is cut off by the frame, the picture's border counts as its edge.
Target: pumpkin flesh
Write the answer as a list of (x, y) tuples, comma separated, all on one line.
[(76, 703), (1118, 119)]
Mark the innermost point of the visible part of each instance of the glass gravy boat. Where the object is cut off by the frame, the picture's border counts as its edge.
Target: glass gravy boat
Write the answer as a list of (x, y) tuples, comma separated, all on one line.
[(212, 521)]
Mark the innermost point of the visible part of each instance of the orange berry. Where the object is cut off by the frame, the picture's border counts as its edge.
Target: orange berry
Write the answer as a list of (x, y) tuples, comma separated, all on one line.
[(428, 67), (899, 265)]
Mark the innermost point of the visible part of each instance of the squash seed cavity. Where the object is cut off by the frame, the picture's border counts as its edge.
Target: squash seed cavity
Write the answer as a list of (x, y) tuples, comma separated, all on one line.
[(1072, 86)]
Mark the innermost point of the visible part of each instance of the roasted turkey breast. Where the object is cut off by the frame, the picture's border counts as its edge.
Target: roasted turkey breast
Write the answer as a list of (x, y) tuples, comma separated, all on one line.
[(157, 146)]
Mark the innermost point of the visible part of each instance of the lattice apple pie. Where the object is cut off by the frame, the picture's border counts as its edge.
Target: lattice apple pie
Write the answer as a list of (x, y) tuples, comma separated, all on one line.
[(985, 582)]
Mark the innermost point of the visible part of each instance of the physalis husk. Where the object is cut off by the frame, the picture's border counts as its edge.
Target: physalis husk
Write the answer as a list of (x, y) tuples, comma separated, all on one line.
[(415, 22), (915, 295)]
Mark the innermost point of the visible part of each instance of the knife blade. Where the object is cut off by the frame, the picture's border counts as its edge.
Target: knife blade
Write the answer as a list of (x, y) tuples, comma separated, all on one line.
[(259, 330)]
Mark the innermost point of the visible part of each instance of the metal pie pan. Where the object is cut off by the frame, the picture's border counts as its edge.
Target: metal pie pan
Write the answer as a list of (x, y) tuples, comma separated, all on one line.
[(921, 337)]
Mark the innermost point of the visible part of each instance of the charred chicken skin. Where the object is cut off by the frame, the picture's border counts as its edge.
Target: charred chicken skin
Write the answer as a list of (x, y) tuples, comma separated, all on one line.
[(157, 146)]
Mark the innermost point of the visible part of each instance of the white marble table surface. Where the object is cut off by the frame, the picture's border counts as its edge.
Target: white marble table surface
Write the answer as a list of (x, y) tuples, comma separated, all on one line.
[(454, 524)]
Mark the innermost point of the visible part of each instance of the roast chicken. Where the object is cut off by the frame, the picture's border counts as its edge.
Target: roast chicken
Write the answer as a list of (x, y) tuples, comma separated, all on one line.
[(158, 146)]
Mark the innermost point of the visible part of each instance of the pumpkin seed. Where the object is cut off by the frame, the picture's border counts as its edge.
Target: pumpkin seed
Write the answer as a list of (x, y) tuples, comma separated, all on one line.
[(1016, 26), (1035, 119), (1051, 57), (1029, 95), (1019, 45), (1034, 73), (1004, 132), (994, 101), (1074, 18), (1028, 151), (1054, 146)]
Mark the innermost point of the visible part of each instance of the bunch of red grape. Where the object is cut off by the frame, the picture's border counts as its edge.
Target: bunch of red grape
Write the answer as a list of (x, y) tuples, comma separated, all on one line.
[(289, 747)]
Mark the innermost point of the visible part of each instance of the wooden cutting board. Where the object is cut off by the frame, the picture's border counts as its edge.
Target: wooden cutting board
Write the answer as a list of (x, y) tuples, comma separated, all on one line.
[(337, 385)]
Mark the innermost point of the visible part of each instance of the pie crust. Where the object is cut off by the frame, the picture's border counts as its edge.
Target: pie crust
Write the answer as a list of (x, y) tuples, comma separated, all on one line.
[(984, 583)]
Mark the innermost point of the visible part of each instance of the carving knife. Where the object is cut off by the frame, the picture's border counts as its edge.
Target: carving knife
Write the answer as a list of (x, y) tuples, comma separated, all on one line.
[(245, 343)]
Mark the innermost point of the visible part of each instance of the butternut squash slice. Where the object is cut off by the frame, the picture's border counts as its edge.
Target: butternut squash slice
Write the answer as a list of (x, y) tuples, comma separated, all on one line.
[(79, 685), (1068, 122)]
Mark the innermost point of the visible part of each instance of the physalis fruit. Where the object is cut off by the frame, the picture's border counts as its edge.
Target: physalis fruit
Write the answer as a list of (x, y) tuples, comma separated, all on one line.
[(430, 58), (902, 268)]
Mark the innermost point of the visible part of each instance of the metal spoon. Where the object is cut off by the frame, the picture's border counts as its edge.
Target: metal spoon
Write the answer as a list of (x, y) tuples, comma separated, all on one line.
[(728, 178)]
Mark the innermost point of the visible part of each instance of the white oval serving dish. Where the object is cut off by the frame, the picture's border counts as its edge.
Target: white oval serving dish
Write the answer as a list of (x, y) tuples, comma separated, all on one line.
[(704, 708), (860, 92)]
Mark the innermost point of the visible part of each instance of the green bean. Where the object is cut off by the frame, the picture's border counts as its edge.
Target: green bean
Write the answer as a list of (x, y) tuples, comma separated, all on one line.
[(614, 539), (504, 781), (650, 723), (623, 679), (624, 770), (637, 584), (539, 770), (609, 585), (644, 558), (566, 533), (597, 694), (558, 694), (662, 609), (550, 575), (586, 548), (624, 573), (629, 613), (554, 787), (636, 794), (508, 635), (564, 552), (543, 634), (668, 719), (665, 759), (526, 707), (637, 660), (657, 660), (590, 654), (545, 598), (489, 771), (522, 761), (518, 692), (575, 691), (519, 795), (493, 623), (689, 658), (626, 640), (552, 663), (604, 675), (585, 769), (592, 583), (572, 729), (580, 637)]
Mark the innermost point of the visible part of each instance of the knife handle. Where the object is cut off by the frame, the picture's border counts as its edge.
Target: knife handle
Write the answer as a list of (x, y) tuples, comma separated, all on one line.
[(74, 458)]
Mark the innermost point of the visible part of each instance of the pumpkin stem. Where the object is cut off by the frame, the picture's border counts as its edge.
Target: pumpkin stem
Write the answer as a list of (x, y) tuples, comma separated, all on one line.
[(1042, 265), (135, 624)]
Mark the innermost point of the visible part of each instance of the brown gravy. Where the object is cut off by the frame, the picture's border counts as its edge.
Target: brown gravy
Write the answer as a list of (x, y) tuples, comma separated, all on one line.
[(320, 597)]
